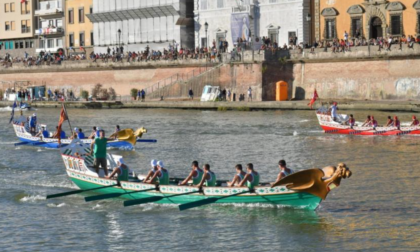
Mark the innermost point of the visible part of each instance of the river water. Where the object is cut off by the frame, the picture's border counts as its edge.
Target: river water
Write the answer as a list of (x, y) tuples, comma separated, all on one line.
[(376, 209)]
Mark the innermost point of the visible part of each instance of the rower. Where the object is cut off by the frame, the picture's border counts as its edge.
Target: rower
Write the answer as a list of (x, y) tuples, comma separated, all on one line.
[(352, 121), (209, 177), (117, 129), (239, 176), (415, 122), (390, 122), (396, 123), (93, 134), (161, 176), (80, 134), (32, 123), (367, 122), (252, 178), (121, 171), (333, 110), (196, 174), (284, 171), (151, 173), (43, 132), (373, 122), (55, 135), (74, 136)]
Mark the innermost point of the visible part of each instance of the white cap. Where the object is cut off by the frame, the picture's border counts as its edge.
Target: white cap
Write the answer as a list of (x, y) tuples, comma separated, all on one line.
[(153, 163), (34, 114), (76, 129), (98, 128), (121, 160), (160, 163)]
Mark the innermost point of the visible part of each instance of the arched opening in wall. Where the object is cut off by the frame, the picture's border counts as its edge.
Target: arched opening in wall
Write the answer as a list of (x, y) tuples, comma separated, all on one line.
[(376, 28)]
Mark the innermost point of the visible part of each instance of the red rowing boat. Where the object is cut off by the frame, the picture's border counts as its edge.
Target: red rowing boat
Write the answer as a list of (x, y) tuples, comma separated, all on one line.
[(341, 126)]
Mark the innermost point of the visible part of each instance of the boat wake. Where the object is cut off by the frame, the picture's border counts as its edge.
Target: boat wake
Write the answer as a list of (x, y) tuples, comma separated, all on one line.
[(295, 133), (6, 109), (32, 198), (56, 205)]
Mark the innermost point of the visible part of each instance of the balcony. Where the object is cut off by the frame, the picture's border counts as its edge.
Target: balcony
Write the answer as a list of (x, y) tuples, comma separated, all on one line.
[(26, 29), (49, 8), (49, 31)]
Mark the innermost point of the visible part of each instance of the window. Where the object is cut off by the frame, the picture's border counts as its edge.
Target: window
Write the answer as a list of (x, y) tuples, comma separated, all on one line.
[(396, 25), (17, 45), (26, 26), (418, 22), (91, 38), (81, 15), (11, 45), (42, 44), (6, 45), (27, 44), (6, 7), (330, 29), (220, 4), (203, 4), (50, 43), (7, 26), (71, 40), (12, 7), (90, 9), (59, 42), (273, 34), (12, 25), (31, 44), (356, 27), (203, 42), (71, 16), (21, 44), (24, 8), (82, 39)]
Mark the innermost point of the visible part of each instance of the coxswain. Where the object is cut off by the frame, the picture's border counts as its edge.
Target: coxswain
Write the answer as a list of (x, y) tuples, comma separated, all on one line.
[(352, 121), (284, 171), (80, 134), (121, 171), (333, 110), (415, 122), (367, 121), (151, 173), (98, 150), (389, 122), (239, 176), (32, 123), (252, 178), (397, 123), (93, 134), (196, 174), (373, 122), (161, 176), (208, 178)]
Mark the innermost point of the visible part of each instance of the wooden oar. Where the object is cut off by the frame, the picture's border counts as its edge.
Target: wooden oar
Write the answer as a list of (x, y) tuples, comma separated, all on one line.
[(203, 202), (153, 199), (76, 192), (146, 141), (113, 195)]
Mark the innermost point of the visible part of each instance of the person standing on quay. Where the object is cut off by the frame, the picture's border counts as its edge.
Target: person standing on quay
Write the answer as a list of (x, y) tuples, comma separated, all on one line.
[(249, 93), (98, 149)]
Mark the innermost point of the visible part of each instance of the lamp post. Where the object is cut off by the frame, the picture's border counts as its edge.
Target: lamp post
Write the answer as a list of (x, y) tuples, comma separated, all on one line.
[(119, 40), (308, 19), (206, 27)]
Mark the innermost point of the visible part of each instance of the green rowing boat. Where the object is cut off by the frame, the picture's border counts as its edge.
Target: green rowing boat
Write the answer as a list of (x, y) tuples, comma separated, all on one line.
[(304, 189)]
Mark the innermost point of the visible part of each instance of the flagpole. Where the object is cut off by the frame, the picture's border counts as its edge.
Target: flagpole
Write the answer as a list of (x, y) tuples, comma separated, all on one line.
[(68, 119)]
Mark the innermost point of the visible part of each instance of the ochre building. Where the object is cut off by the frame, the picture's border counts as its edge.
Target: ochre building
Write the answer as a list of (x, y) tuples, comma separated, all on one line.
[(79, 29), (366, 18)]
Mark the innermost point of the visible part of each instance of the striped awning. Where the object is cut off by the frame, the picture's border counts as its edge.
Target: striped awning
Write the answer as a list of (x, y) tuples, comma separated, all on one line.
[(142, 13)]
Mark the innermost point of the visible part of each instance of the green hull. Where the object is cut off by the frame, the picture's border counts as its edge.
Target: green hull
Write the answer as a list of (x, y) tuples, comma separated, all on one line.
[(297, 199)]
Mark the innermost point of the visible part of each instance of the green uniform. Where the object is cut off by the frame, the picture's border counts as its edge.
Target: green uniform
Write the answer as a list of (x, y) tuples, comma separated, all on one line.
[(99, 148), (163, 178), (123, 176), (212, 180), (197, 179), (255, 180)]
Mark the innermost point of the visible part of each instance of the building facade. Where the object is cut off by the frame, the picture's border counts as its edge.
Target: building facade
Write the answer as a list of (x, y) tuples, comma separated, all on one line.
[(17, 28), (51, 23), (134, 25), (366, 18), (250, 20), (78, 28)]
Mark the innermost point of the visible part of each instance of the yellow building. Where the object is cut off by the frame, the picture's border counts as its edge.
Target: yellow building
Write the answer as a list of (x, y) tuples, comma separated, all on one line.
[(17, 28), (366, 18), (79, 29)]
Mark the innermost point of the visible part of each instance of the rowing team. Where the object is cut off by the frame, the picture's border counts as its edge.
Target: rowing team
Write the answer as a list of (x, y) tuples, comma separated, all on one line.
[(77, 133), (200, 177), (371, 122)]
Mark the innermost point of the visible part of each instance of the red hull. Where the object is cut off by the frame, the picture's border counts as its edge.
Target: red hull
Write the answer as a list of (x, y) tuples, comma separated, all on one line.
[(371, 132)]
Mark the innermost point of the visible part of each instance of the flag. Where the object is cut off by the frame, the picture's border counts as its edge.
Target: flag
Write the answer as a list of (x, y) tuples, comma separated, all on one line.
[(13, 112), (63, 117), (311, 103)]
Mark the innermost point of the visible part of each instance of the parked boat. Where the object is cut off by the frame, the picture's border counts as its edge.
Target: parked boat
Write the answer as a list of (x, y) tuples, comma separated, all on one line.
[(126, 139), (305, 189), (341, 126)]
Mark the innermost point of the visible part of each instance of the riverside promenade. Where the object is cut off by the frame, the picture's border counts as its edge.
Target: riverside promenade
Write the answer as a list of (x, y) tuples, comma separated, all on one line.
[(350, 105)]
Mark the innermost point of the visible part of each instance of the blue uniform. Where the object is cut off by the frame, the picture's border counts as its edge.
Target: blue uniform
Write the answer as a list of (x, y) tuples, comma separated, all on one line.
[(80, 135), (32, 121), (45, 133), (62, 134)]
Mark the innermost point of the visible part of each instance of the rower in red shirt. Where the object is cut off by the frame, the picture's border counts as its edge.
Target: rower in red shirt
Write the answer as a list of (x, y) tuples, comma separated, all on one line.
[(352, 121), (373, 122), (396, 122), (415, 121)]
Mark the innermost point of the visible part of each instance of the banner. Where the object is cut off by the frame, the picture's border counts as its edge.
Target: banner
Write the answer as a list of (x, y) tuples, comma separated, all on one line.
[(239, 25)]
